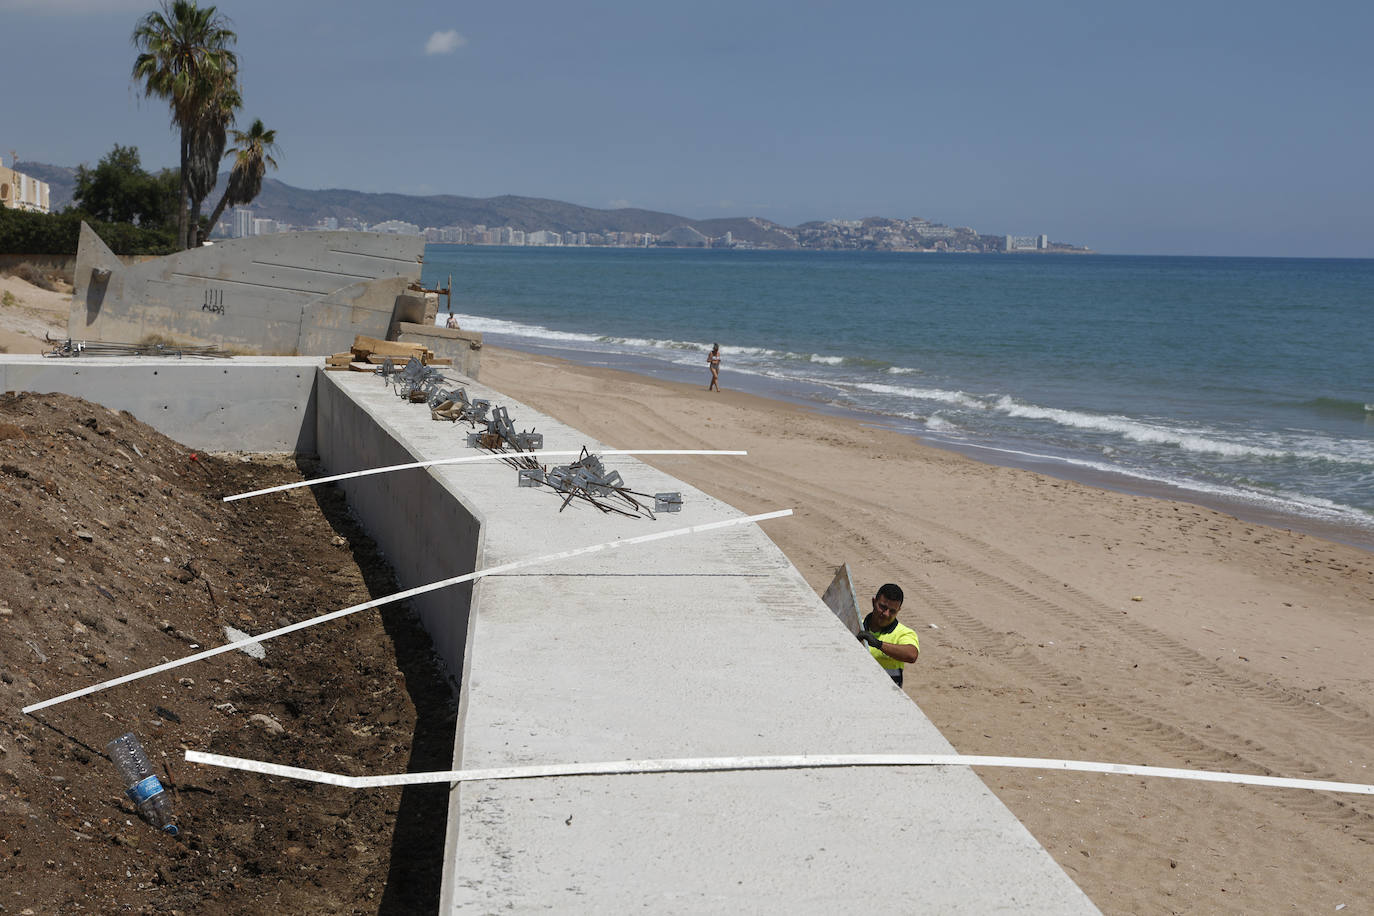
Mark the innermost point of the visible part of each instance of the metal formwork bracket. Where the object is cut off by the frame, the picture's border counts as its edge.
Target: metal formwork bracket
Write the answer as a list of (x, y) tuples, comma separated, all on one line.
[(531, 477), (477, 411), (528, 441), (667, 502)]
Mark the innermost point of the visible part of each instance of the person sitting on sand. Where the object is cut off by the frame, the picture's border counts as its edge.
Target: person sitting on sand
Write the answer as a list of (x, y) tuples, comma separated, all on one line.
[(452, 321), (893, 644), (713, 360)]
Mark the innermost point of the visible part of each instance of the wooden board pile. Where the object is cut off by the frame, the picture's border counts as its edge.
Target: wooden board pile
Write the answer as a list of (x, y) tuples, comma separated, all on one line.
[(368, 353)]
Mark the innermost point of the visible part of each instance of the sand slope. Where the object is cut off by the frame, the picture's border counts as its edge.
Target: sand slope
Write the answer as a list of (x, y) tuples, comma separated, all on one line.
[(1248, 649), (27, 312)]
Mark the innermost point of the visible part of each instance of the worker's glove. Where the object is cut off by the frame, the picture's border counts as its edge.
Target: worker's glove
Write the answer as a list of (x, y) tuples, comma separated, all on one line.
[(871, 639)]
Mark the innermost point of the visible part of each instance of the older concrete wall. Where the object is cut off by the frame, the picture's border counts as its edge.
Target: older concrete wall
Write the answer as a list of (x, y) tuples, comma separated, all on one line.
[(286, 294)]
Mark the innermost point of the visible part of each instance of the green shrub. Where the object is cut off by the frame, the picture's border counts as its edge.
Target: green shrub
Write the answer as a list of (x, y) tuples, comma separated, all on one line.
[(25, 232)]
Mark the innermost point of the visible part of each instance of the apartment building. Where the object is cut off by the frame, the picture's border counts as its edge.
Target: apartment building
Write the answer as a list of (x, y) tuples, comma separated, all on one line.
[(20, 192)]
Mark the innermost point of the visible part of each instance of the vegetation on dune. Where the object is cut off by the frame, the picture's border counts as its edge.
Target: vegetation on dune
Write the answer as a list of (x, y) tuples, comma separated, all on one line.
[(119, 190), (25, 232), (30, 273)]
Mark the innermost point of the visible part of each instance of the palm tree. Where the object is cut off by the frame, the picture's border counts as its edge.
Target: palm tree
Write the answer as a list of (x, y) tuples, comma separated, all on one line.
[(207, 149), (252, 152), (185, 58)]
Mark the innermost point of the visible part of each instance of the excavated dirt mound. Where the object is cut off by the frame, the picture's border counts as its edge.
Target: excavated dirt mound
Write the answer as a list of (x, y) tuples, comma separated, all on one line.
[(118, 554)]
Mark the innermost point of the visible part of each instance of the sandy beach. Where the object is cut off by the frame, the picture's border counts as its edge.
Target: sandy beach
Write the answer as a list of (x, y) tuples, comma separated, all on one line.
[(1058, 620)]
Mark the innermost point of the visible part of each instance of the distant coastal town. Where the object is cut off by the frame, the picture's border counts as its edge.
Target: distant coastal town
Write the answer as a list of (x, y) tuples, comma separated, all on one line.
[(512, 220), (871, 234)]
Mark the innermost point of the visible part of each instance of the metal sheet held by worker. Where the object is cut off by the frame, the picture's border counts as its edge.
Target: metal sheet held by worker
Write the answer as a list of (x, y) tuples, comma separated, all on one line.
[(839, 597)]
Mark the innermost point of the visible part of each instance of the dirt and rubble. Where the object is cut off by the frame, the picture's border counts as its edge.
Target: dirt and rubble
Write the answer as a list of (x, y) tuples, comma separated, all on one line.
[(118, 554)]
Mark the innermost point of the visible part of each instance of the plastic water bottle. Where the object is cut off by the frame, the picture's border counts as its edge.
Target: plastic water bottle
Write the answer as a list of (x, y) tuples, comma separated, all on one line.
[(143, 787)]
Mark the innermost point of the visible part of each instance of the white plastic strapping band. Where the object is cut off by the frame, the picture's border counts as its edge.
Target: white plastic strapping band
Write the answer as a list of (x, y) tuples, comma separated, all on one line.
[(497, 456), (401, 596), (779, 762)]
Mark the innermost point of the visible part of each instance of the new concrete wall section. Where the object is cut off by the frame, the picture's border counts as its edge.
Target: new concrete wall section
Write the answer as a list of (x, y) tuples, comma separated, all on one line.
[(252, 404), (706, 645), (424, 526)]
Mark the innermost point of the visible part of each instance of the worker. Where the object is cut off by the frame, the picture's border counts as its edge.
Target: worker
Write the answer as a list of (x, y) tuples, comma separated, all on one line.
[(893, 644)]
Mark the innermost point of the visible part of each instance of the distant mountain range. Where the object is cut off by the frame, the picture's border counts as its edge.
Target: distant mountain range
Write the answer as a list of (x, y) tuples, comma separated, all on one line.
[(305, 208), (301, 207)]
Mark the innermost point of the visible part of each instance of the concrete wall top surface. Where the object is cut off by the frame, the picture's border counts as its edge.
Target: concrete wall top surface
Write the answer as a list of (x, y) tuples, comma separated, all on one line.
[(702, 645)]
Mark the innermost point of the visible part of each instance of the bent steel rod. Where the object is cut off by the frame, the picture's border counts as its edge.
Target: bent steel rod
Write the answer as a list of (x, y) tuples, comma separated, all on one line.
[(401, 596)]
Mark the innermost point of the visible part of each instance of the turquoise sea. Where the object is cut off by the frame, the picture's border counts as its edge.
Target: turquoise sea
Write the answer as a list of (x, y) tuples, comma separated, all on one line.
[(1244, 384)]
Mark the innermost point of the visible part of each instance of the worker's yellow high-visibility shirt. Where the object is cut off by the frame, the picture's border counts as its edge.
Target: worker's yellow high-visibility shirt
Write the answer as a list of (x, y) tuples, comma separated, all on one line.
[(899, 634)]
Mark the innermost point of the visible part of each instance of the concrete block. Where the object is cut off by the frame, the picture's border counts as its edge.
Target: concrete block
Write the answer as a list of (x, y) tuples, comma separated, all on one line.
[(463, 347)]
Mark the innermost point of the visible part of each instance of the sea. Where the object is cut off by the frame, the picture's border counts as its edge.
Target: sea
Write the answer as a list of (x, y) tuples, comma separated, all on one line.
[(1243, 384)]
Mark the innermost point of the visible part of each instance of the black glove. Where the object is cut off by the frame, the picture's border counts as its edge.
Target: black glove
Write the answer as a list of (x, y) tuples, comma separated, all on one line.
[(872, 640)]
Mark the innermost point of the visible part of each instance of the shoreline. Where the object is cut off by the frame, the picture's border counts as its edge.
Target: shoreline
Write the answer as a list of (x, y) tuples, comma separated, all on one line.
[(1067, 621), (1349, 534)]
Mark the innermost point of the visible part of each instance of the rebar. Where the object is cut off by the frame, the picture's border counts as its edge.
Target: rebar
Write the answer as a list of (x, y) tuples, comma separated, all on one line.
[(72, 348)]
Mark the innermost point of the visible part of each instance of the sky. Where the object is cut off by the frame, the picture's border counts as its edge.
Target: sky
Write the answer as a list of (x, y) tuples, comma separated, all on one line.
[(1195, 128)]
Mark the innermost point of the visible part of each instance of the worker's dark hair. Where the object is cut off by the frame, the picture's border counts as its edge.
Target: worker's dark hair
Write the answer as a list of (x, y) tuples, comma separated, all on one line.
[(891, 592)]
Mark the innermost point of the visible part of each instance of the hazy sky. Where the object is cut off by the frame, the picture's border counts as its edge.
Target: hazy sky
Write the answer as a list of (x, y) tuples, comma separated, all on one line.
[(1194, 127)]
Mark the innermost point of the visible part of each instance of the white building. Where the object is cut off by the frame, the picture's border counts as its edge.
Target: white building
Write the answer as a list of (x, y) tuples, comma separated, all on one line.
[(243, 223), (20, 192), (399, 227)]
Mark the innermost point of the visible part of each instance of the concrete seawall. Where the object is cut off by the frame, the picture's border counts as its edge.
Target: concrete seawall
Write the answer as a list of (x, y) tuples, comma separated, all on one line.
[(705, 645)]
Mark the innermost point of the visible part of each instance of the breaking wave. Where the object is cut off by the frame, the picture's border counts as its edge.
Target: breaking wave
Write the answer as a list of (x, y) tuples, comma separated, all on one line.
[(1157, 434)]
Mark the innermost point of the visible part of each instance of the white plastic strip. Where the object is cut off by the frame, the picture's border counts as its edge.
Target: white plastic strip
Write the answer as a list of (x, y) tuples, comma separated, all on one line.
[(401, 596), (496, 456), (781, 762)]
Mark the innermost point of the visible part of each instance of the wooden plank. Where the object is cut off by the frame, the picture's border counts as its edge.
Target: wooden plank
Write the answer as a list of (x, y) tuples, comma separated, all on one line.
[(384, 347)]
